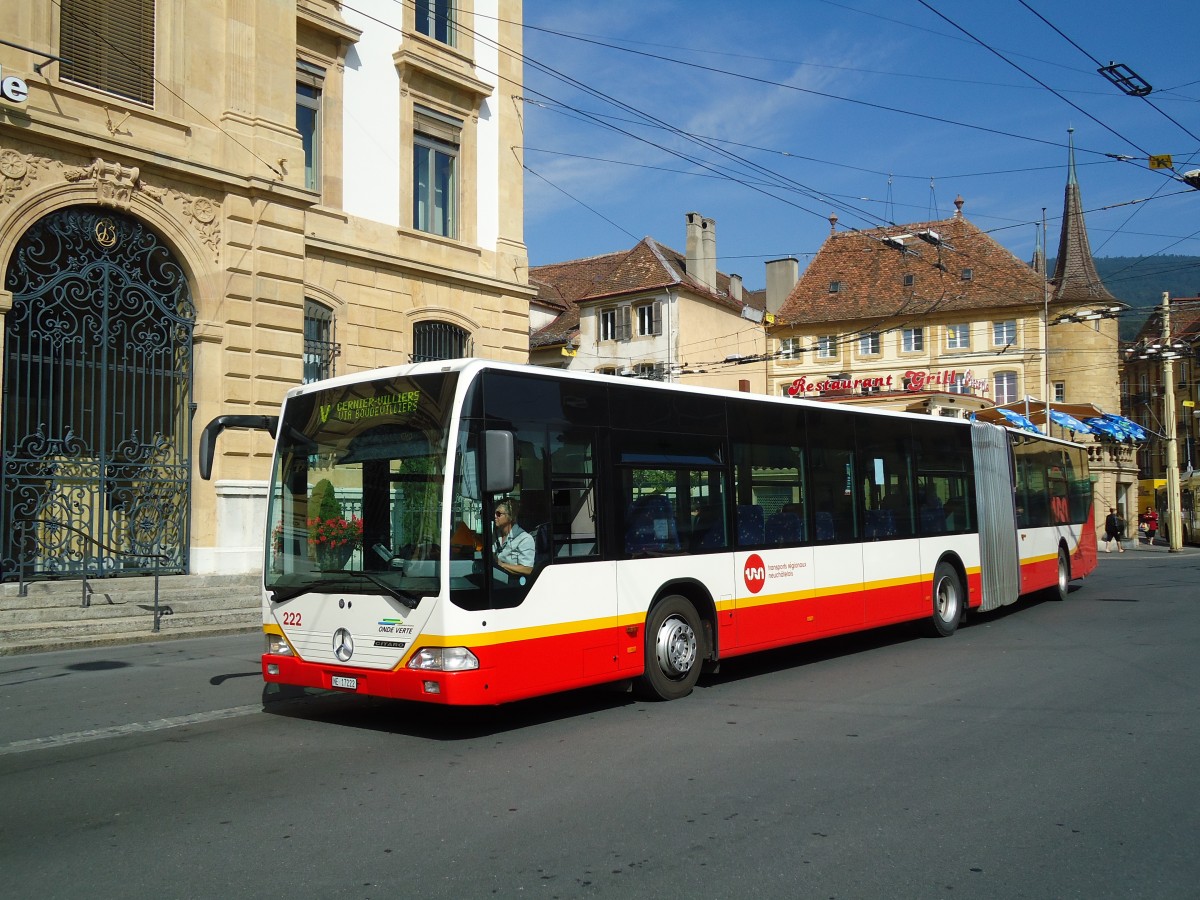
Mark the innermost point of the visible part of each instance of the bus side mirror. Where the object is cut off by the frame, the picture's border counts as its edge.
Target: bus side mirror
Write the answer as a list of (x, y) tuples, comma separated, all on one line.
[(501, 462), (208, 437)]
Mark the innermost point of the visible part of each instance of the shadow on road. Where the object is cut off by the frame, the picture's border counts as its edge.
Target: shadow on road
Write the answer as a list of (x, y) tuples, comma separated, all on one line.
[(461, 723), (437, 723)]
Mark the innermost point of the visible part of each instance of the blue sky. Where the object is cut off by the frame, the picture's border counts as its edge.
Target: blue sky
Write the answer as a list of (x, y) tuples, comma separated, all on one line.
[(876, 111)]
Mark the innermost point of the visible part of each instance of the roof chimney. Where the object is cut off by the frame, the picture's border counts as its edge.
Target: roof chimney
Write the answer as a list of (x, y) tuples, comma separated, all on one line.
[(709, 242), (735, 287), (694, 254), (782, 275)]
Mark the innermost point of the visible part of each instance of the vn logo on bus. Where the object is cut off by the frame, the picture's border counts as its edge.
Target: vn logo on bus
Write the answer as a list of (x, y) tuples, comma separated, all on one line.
[(755, 573)]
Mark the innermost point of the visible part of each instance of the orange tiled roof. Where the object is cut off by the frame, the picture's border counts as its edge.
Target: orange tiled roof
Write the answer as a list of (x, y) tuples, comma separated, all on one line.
[(870, 273), (647, 267)]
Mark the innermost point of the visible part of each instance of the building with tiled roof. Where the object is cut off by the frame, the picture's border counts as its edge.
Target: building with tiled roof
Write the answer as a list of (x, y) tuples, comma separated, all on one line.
[(909, 310), (937, 317), (651, 312), (1143, 389)]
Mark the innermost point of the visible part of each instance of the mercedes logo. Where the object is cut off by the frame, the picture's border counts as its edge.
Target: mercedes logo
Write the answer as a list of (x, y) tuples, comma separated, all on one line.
[(343, 644)]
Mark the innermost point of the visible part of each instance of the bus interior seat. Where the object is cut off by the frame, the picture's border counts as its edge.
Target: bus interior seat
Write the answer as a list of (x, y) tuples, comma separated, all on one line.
[(751, 529), (651, 526), (713, 537), (785, 528), (543, 550), (880, 523), (933, 520), (825, 527)]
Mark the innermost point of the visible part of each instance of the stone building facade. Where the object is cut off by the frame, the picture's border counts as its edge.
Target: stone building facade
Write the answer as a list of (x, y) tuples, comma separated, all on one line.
[(203, 204)]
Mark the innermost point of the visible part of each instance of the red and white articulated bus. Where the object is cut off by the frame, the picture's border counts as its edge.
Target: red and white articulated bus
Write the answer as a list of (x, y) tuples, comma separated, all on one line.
[(666, 528)]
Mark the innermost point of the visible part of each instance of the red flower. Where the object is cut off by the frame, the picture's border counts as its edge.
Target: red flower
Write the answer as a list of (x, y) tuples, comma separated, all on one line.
[(335, 532)]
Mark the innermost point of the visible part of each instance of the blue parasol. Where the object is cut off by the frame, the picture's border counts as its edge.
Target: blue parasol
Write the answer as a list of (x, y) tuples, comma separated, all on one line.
[(1130, 427), (1068, 421), (1017, 419), (1105, 427)]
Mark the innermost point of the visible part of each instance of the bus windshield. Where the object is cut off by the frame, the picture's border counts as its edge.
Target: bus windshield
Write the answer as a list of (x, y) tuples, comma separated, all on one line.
[(355, 496)]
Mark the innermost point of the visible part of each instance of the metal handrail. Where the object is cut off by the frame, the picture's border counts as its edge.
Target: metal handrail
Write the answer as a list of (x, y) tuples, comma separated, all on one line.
[(23, 585)]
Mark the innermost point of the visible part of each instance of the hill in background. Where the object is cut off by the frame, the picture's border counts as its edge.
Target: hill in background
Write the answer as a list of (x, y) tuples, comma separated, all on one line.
[(1140, 282)]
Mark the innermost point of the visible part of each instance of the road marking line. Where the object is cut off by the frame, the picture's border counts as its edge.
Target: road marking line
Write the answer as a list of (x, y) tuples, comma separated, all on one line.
[(101, 734)]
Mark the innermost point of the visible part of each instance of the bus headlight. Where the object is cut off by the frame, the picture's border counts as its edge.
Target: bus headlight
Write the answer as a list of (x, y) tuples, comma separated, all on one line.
[(444, 659), (278, 645)]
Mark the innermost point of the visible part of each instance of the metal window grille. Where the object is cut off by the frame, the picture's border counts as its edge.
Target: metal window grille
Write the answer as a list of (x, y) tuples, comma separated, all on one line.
[(439, 340), (109, 45), (320, 349)]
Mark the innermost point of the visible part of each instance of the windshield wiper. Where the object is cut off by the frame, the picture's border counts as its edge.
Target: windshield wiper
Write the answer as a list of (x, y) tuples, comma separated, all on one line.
[(408, 598), (281, 594)]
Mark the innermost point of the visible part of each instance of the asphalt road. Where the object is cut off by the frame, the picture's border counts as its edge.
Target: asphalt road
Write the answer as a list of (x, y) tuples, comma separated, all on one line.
[(1044, 751)]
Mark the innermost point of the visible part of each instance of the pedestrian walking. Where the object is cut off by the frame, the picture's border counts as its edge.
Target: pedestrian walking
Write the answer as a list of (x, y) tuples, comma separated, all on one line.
[(1114, 527), (1148, 523)]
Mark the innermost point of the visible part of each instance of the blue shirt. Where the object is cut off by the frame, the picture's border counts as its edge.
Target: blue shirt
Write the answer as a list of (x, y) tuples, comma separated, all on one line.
[(518, 549)]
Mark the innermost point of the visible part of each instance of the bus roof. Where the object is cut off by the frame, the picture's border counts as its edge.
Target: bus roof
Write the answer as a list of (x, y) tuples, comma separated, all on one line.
[(471, 367)]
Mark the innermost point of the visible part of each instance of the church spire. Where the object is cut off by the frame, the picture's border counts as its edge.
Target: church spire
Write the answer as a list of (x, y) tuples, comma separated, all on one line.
[(1075, 278)]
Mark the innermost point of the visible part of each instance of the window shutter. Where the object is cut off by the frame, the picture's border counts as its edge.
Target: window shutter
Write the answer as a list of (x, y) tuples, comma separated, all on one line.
[(433, 124), (623, 323), (656, 324), (109, 45)]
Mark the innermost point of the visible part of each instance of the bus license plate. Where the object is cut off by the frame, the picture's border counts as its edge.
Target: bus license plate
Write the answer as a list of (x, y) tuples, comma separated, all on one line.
[(346, 682)]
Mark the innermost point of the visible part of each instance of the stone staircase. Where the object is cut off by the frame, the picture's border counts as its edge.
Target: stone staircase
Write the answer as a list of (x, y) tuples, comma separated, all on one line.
[(121, 610)]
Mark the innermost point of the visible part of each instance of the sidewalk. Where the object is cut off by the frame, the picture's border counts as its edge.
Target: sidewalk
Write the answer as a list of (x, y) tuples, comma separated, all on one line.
[(54, 615), (1139, 545)]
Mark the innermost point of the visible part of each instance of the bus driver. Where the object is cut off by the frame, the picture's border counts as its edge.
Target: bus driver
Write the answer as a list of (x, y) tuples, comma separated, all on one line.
[(514, 545)]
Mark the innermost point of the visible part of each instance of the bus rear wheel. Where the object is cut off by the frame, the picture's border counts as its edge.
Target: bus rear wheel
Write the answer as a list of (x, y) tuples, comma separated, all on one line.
[(1062, 583), (948, 597), (672, 650)]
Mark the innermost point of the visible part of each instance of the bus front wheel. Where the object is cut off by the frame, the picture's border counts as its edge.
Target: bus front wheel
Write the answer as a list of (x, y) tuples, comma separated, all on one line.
[(672, 650), (948, 596)]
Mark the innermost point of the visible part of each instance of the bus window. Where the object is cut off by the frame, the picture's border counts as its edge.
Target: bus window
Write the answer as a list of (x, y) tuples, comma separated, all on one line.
[(650, 526), (831, 464), (572, 497), (663, 480), (770, 490), (945, 485), (768, 465), (885, 492)]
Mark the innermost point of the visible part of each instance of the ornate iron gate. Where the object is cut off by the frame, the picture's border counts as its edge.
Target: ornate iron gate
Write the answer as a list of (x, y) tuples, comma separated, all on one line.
[(97, 390)]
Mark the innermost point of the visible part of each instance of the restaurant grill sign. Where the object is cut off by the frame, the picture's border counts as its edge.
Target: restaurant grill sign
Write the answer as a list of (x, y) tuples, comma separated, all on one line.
[(913, 381)]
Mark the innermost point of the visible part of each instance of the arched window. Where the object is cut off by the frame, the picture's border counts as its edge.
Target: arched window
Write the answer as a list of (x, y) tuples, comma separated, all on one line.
[(1004, 388), (439, 340), (319, 345)]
